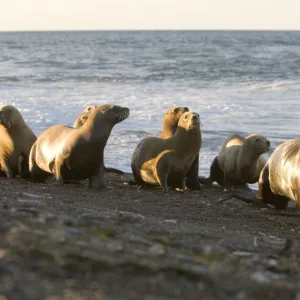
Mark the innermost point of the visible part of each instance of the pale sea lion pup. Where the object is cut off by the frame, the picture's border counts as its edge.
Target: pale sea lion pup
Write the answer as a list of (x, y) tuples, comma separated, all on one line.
[(81, 119), (239, 161), (279, 180), (75, 154), (170, 121), (164, 162), (15, 143)]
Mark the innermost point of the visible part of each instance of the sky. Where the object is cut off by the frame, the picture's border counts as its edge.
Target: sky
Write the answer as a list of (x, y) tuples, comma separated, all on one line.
[(148, 14)]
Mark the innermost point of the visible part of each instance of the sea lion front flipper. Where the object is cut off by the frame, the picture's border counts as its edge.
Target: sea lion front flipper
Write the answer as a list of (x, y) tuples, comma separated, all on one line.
[(192, 181), (6, 168), (23, 166), (163, 174), (97, 180)]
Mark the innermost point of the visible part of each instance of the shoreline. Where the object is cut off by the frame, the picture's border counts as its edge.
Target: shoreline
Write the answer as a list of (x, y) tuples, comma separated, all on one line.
[(71, 242)]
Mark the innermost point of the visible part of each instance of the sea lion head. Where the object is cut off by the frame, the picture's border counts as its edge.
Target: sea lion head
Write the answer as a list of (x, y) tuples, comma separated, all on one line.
[(9, 116), (90, 108), (173, 114), (190, 121), (81, 119), (114, 113), (257, 144)]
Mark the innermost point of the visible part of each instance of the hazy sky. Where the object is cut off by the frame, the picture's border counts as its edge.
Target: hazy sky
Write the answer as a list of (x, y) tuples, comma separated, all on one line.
[(148, 14)]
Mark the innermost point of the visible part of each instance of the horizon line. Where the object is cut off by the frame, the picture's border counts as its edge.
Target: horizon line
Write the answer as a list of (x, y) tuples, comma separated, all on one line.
[(134, 30)]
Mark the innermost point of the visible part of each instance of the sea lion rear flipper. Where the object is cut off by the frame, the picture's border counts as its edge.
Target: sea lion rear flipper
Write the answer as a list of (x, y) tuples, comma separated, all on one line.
[(249, 198), (216, 174), (192, 181), (113, 170)]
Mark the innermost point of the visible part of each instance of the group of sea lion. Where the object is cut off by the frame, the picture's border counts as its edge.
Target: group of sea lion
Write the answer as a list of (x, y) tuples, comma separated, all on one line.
[(66, 152), (172, 159)]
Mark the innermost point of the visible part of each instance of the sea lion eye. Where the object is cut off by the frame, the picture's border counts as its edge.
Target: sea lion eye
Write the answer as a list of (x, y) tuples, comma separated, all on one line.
[(175, 110), (185, 116)]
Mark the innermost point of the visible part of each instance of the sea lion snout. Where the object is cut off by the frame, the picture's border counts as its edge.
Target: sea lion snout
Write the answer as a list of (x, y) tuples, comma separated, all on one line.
[(1, 116), (7, 113), (189, 120), (122, 113), (262, 144)]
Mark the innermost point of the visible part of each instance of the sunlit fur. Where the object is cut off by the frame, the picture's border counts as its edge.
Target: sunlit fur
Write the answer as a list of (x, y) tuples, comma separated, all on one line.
[(167, 161), (280, 180), (74, 154), (16, 140), (81, 119), (170, 121)]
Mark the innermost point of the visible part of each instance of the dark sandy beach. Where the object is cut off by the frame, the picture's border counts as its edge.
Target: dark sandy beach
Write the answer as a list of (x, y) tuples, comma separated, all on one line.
[(71, 242)]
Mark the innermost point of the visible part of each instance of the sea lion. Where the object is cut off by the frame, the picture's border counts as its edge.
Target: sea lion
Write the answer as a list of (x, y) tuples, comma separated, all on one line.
[(279, 180), (81, 119), (170, 121), (75, 154), (239, 161), (15, 143), (164, 162)]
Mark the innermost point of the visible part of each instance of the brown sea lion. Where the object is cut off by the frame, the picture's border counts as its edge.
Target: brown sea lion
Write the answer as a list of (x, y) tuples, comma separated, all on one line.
[(279, 180), (164, 162), (170, 121), (239, 161), (75, 154), (15, 143), (81, 119)]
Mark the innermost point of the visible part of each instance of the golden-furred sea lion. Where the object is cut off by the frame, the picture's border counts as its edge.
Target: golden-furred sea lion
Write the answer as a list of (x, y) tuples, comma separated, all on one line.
[(279, 180), (170, 121), (75, 154), (164, 162), (15, 143), (81, 119), (239, 161)]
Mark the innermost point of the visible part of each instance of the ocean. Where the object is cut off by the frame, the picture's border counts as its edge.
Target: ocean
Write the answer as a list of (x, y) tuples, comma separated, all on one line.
[(238, 81)]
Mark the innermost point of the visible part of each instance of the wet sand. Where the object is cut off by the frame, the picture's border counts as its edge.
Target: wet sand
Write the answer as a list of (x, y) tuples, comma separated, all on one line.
[(71, 242)]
